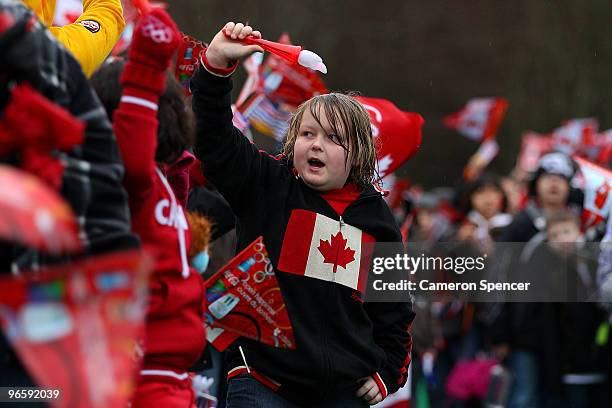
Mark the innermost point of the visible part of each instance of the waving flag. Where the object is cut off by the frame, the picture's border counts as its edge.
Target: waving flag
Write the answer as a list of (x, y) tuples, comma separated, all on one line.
[(479, 119), (285, 83), (481, 159), (399, 133), (251, 65), (266, 116), (597, 194), (533, 146), (575, 134)]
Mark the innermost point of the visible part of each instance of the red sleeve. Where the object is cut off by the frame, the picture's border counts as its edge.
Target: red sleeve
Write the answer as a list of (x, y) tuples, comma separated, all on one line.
[(135, 125)]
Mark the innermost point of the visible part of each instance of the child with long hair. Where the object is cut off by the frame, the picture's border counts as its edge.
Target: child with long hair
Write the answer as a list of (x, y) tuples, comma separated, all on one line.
[(317, 210)]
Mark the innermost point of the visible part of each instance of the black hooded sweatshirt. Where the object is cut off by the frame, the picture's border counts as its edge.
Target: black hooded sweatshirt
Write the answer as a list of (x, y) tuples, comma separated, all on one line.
[(339, 339)]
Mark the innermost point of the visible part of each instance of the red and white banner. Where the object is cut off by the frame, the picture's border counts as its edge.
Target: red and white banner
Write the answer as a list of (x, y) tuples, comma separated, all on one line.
[(575, 134), (398, 133), (318, 247), (243, 299), (597, 194), (479, 119), (76, 327), (533, 146)]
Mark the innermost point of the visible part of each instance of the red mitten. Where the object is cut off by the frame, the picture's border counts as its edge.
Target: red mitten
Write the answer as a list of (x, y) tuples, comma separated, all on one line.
[(156, 38)]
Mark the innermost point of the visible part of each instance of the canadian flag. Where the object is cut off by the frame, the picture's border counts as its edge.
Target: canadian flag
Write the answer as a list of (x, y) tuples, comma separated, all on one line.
[(479, 119), (575, 134), (399, 133), (533, 146), (597, 194), (481, 159), (322, 248)]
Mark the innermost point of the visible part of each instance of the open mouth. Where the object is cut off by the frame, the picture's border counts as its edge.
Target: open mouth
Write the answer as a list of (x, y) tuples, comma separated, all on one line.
[(316, 163)]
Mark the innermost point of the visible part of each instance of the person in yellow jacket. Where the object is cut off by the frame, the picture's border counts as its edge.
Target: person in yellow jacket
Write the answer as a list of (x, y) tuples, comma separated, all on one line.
[(92, 36)]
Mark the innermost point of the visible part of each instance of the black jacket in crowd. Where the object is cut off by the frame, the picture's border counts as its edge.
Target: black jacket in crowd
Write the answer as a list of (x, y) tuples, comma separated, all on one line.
[(339, 339)]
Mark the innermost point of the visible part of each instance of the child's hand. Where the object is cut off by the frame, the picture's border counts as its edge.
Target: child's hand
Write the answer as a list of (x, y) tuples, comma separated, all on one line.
[(223, 51), (369, 391)]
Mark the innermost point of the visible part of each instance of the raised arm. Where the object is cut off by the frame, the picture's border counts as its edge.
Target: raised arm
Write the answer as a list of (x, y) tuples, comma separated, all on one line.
[(144, 80), (233, 164), (94, 34)]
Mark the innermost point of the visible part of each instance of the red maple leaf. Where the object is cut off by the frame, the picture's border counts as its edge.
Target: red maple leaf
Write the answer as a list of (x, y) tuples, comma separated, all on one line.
[(336, 252)]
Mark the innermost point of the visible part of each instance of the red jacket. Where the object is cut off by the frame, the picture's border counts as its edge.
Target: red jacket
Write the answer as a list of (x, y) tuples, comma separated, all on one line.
[(174, 331)]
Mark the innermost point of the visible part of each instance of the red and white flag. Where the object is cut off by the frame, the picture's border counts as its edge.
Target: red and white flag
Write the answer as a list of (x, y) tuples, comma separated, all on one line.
[(479, 119), (481, 159), (251, 66), (575, 134), (399, 133), (319, 247), (533, 146), (603, 148), (597, 194)]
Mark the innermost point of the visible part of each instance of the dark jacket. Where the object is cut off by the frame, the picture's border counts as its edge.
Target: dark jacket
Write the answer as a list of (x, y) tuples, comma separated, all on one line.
[(568, 330), (339, 339), (92, 179)]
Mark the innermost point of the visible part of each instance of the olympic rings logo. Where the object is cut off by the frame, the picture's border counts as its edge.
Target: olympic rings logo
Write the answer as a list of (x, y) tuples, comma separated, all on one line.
[(156, 30)]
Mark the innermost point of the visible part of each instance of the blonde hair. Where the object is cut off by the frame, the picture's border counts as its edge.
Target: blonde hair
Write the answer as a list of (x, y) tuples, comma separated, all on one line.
[(200, 227), (349, 120)]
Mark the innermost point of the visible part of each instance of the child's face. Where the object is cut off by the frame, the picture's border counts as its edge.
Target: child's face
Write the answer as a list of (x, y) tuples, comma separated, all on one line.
[(552, 189), (562, 236), (318, 156), (488, 201)]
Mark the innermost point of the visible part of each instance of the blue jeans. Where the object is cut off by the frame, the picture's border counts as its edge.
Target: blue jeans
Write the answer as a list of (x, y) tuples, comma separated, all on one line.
[(246, 392), (525, 371)]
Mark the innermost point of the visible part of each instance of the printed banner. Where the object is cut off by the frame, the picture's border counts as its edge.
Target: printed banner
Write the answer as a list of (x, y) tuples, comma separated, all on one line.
[(244, 298), (187, 60), (76, 327)]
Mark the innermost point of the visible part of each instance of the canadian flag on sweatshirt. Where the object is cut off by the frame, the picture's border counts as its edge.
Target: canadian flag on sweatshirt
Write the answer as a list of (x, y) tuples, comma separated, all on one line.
[(322, 248)]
